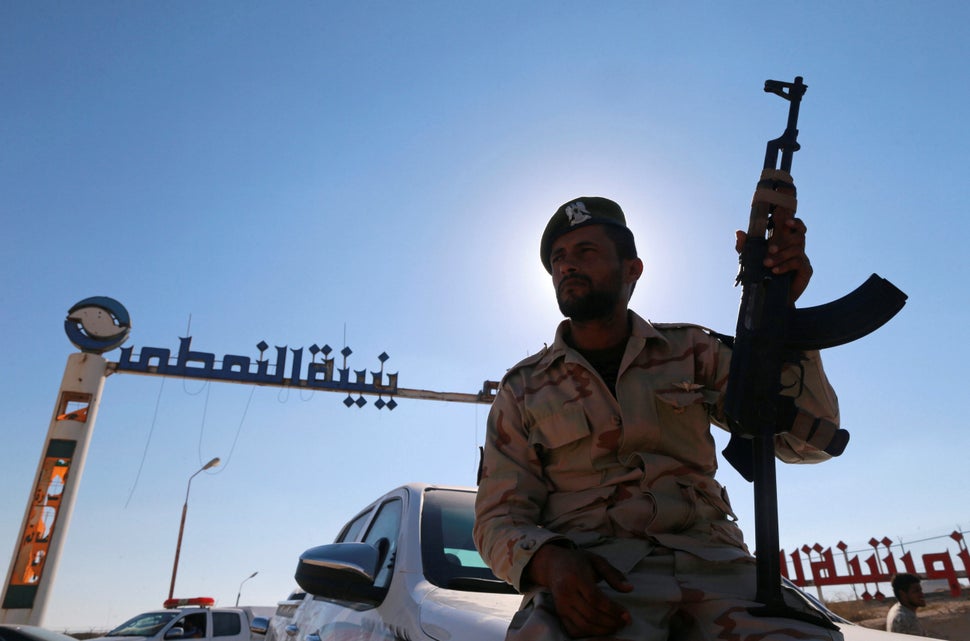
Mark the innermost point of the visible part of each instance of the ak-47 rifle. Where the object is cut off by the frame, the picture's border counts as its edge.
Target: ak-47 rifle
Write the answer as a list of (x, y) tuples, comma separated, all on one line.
[(770, 333)]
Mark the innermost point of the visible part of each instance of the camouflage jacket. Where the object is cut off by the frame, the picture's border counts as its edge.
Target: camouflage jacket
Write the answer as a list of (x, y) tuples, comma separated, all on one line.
[(564, 459)]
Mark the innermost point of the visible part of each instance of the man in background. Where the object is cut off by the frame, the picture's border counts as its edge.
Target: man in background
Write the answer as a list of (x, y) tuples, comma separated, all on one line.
[(909, 596)]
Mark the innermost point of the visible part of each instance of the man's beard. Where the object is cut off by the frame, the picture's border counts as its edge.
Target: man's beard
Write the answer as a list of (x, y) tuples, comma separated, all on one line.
[(595, 304)]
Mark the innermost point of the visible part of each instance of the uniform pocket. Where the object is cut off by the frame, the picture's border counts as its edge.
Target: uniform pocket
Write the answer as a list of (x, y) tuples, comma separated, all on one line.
[(727, 533), (560, 429), (562, 444), (685, 434)]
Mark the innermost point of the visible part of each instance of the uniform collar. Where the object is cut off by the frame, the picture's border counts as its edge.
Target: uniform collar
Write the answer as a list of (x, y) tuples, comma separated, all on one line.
[(641, 331)]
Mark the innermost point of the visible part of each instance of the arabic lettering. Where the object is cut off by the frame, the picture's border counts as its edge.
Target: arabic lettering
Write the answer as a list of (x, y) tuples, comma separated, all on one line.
[(879, 568), (237, 368)]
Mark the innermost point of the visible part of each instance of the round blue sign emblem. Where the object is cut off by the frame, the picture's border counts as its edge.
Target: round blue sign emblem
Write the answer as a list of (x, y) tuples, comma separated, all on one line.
[(97, 324)]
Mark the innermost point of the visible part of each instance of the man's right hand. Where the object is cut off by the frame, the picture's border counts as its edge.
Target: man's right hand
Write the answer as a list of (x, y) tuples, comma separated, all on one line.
[(571, 576)]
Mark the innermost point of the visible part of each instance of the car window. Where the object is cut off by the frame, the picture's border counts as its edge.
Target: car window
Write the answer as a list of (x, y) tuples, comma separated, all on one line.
[(352, 530), (194, 625), (225, 624), (447, 547), (386, 526)]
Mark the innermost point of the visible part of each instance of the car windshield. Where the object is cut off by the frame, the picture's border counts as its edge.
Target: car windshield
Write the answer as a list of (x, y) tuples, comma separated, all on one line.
[(450, 558), (143, 625)]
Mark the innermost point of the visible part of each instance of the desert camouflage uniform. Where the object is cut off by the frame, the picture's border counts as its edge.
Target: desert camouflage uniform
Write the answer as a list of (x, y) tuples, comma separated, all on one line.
[(632, 477)]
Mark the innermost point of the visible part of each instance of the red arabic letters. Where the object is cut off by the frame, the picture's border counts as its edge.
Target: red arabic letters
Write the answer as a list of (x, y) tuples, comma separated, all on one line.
[(878, 568)]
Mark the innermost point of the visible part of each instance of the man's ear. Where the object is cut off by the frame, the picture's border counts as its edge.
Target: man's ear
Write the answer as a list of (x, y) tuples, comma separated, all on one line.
[(634, 269)]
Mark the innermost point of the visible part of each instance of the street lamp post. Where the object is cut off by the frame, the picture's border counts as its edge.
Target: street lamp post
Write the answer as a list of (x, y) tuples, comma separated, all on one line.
[(185, 506), (239, 594)]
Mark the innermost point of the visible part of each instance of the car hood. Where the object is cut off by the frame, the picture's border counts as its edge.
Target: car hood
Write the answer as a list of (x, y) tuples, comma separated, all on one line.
[(859, 633), (454, 615)]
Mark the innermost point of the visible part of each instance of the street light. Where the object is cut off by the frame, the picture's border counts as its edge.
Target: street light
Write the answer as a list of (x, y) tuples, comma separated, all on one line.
[(239, 594), (185, 506)]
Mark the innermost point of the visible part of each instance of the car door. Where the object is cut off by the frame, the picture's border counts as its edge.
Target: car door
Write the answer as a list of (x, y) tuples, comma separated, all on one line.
[(194, 625), (334, 620), (229, 626)]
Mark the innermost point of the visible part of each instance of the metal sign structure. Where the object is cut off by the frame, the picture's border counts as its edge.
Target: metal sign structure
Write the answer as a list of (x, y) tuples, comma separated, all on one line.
[(322, 375), (100, 324)]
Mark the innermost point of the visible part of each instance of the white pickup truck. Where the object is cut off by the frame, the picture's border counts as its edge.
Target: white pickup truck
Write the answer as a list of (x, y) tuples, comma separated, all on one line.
[(192, 619), (406, 568)]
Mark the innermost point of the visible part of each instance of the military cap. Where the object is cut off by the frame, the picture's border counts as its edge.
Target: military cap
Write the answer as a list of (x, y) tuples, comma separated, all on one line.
[(579, 212)]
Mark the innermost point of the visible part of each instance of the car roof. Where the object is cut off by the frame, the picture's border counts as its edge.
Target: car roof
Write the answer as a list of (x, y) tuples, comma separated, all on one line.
[(415, 490)]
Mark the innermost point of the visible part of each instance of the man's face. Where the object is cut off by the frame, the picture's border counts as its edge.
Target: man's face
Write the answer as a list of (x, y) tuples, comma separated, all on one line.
[(590, 279), (913, 597)]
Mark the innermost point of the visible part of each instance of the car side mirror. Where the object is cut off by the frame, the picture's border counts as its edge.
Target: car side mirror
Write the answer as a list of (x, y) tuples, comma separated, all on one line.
[(259, 625), (175, 633), (342, 572)]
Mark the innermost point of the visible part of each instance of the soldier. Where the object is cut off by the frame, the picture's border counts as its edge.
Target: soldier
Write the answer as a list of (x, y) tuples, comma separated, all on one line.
[(598, 499)]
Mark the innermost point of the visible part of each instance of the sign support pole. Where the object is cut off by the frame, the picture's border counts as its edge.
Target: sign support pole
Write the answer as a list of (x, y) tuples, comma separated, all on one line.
[(48, 514)]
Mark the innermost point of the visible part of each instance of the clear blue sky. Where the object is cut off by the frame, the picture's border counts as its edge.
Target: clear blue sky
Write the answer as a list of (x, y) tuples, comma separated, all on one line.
[(378, 174)]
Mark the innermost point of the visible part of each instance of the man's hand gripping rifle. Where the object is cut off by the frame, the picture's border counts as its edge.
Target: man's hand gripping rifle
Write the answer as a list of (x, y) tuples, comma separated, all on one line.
[(771, 333)]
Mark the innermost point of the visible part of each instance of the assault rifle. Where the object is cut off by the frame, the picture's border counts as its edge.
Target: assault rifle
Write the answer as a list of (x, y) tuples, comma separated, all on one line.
[(770, 333)]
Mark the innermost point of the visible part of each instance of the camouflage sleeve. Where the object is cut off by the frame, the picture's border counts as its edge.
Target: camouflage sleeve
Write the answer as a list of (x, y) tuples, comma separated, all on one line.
[(511, 494), (816, 425)]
